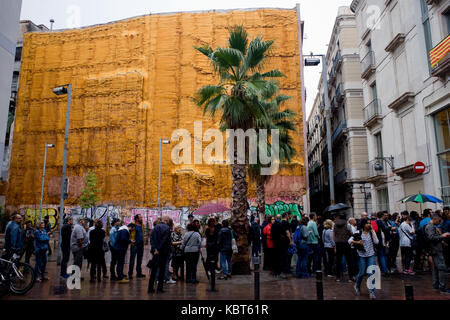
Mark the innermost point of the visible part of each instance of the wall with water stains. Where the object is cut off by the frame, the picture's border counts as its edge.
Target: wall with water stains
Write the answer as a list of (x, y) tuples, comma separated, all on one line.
[(133, 83)]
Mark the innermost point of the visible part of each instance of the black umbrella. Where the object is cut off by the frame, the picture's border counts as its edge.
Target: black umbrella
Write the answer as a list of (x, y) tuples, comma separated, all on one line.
[(337, 207)]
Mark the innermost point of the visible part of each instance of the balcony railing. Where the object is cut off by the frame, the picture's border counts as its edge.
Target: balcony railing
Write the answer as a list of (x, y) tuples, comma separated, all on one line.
[(339, 92), (372, 110), (337, 61), (367, 64), (331, 78), (376, 168), (339, 130), (445, 193)]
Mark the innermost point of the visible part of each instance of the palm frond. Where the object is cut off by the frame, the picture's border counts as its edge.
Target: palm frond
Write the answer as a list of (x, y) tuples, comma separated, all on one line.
[(238, 38), (206, 50), (257, 51)]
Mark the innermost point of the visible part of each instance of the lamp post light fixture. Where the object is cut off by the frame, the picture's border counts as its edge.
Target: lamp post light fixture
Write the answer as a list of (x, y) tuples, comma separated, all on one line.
[(314, 60), (47, 145), (59, 91), (161, 142)]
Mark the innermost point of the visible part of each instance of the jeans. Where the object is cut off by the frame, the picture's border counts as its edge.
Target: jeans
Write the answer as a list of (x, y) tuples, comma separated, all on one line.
[(439, 272), (364, 263), (64, 260), (406, 257), (41, 262), (120, 263), (78, 257), (191, 265), (382, 258), (114, 258), (313, 257), (225, 259), (160, 266), (29, 250), (136, 253), (343, 249), (302, 261), (166, 272), (328, 260), (392, 254)]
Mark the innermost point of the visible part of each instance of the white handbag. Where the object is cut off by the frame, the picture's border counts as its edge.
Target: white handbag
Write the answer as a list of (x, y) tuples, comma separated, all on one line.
[(234, 246)]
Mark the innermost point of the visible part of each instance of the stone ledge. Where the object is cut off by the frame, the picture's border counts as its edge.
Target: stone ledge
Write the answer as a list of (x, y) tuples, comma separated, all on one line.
[(395, 43), (405, 98)]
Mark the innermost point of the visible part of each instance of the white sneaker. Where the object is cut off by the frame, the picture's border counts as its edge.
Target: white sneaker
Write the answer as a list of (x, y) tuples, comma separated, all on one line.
[(357, 291), (372, 296), (218, 272), (171, 281)]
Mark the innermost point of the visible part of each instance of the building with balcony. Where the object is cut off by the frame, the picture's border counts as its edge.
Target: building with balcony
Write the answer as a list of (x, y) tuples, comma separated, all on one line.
[(9, 25), (404, 71), (349, 144), (24, 26)]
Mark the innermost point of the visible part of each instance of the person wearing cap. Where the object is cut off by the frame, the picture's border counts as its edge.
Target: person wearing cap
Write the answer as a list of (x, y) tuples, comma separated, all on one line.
[(112, 243)]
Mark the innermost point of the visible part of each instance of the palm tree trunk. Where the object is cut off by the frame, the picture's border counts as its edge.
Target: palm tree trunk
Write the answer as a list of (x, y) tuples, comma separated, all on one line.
[(261, 198), (241, 260)]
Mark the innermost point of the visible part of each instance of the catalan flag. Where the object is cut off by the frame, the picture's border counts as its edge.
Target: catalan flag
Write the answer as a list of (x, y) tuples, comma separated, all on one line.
[(440, 51)]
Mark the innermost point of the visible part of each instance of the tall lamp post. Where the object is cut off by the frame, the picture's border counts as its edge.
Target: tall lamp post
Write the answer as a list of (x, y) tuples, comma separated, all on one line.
[(47, 145), (161, 142), (314, 60), (62, 90)]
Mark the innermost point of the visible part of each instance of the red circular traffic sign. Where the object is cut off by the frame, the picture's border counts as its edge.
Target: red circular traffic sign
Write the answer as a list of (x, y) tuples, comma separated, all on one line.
[(419, 167)]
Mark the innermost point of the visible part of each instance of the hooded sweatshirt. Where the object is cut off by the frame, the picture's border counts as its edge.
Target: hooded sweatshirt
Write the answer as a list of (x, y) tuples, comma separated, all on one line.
[(123, 239)]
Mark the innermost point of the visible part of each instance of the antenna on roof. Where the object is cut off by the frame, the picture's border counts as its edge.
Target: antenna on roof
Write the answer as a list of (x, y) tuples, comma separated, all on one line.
[(51, 24)]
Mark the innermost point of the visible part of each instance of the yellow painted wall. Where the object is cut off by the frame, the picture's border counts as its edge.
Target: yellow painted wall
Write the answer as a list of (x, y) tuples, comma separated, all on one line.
[(133, 81)]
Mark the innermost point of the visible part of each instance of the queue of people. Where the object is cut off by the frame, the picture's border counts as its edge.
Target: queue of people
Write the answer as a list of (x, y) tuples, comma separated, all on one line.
[(352, 247), (345, 249)]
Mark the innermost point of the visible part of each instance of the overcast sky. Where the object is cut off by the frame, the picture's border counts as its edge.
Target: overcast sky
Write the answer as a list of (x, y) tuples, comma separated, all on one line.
[(319, 17)]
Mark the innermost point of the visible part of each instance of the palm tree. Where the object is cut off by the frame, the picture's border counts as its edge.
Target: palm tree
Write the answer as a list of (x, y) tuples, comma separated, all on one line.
[(237, 96), (281, 120)]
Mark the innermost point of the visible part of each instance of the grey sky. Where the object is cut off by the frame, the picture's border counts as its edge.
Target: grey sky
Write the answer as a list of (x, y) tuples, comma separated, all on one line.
[(319, 17)]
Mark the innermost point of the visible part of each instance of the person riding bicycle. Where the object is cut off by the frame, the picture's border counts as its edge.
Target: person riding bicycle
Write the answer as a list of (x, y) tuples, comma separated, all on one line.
[(14, 237)]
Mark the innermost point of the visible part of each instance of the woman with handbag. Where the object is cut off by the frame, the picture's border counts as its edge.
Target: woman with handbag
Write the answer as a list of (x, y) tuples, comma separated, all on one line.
[(365, 244), (177, 254), (227, 246), (406, 232), (211, 243), (191, 246)]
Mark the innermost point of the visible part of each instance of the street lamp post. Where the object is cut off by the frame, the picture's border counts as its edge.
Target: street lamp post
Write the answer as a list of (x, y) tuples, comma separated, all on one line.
[(62, 90), (47, 145), (161, 142), (313, 60)]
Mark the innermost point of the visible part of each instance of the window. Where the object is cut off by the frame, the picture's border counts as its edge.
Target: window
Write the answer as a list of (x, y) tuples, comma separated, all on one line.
[(426, 29), (446, 16), (442, 128), (383, 199), (373, 89), (379, 144), (18, 53)]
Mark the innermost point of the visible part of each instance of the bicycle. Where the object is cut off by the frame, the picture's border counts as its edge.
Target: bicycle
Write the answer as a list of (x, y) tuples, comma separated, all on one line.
[(16, 276)]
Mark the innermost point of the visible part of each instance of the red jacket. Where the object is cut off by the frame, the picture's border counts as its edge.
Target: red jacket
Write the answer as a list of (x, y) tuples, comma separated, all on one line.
[(267, 232)]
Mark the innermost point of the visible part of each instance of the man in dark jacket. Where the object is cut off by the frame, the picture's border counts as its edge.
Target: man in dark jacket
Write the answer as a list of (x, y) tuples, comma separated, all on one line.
[(121, 245), (28, 240), (14, 236), (66, 233), (255, 237), (435, 238), (383, 235), (342, 232), (160, 241), (277, 237), (137, 249)]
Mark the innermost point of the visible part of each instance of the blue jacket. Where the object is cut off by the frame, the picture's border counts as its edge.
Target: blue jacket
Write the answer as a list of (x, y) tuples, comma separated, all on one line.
[(139, 236), (41, 240), (13, 237), (123, 239), (113, 236)]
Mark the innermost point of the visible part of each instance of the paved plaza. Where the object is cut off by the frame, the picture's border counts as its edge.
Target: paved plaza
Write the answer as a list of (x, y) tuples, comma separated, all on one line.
[(237, 288)]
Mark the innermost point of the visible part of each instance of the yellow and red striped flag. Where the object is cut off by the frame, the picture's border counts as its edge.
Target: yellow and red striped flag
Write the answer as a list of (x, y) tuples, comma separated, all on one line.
[(440, 51)]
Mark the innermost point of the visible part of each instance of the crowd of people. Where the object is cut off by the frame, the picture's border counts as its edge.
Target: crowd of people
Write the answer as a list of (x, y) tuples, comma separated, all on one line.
[(342, 248), (339, 246)]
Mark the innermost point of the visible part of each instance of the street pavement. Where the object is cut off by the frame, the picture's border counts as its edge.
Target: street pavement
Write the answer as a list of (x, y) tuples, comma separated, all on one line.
[(237, 288)]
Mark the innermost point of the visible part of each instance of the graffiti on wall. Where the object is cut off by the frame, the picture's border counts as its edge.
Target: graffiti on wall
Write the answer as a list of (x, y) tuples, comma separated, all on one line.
[(179, 216), (33, 216), (105, 213), (281, 207)]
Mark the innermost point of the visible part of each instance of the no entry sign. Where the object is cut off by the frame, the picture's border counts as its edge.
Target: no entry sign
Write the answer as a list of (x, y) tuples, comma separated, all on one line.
[(419, 167)]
